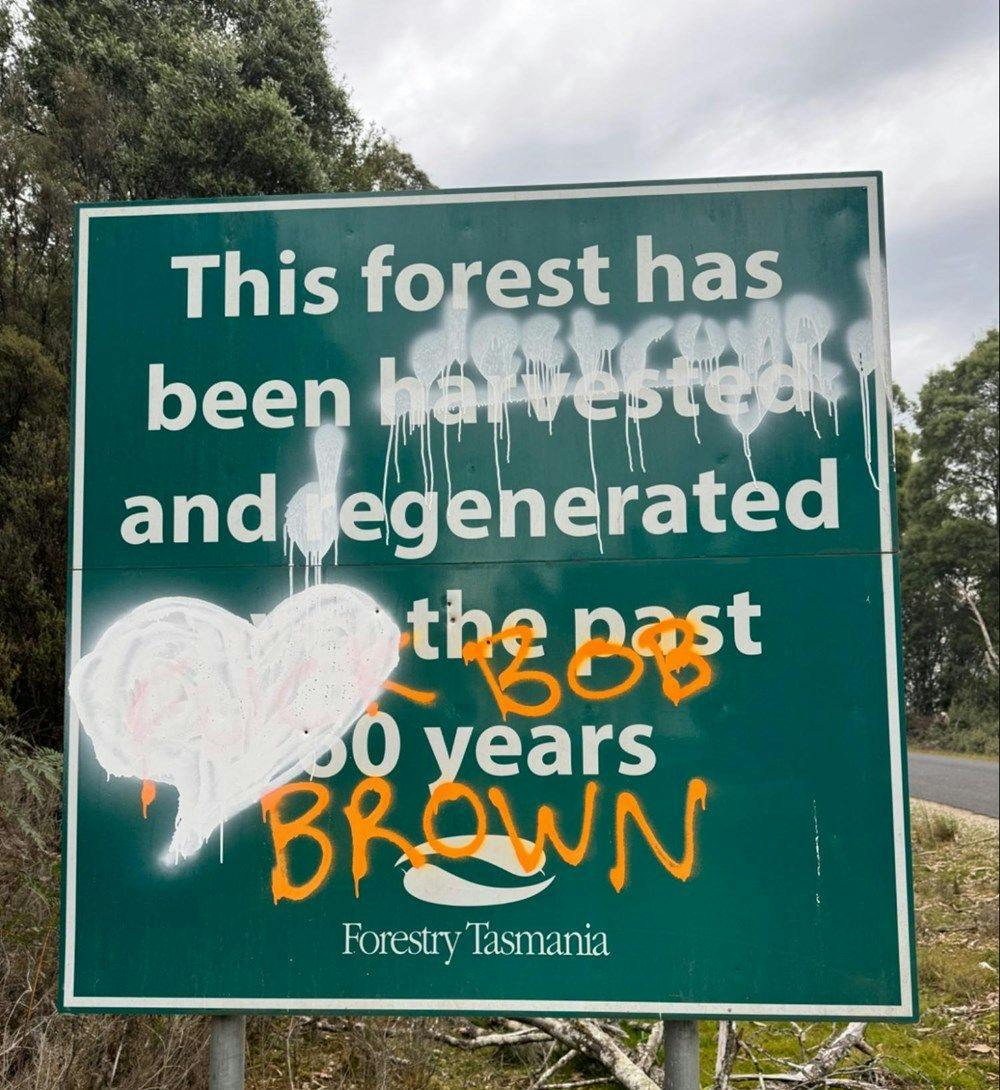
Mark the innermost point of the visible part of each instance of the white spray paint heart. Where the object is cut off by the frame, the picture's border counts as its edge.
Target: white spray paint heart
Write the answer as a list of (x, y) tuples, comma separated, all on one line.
[(182, 692)]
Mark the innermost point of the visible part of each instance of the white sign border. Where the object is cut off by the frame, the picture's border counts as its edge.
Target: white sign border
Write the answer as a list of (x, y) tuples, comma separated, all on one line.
[(905, 1007)]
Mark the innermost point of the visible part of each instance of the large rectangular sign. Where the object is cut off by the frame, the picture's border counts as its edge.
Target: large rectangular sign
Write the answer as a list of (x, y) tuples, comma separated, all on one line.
[(487, 601)]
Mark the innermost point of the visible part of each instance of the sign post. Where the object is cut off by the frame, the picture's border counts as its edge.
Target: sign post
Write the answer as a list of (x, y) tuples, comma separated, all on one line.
[(486, 602), (681, 1068), (227, 1052)]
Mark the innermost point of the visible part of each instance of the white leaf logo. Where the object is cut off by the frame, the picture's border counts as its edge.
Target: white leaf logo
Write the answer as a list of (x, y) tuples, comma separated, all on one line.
[(437, 886)]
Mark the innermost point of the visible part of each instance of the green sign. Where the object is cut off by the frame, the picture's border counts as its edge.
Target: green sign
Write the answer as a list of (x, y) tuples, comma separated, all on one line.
[(487, 601)]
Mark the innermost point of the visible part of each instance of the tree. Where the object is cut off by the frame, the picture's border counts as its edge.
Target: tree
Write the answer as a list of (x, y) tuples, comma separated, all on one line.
[(122, 100), (949, 545)]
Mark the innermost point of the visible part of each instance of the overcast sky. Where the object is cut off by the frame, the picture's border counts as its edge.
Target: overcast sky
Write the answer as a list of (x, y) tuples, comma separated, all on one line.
[(504, 92)]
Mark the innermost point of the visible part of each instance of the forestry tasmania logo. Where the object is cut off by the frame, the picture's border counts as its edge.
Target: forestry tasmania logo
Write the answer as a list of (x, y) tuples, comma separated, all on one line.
[(437, 885)]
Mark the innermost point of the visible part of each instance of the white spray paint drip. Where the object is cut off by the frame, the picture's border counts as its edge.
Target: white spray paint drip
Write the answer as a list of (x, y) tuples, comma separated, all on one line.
[(429, 360), (493, 345), (390, 448), (549, 371), (878, 291), (807, 324), (766, 340), (633, 357), (861, 345), (760, 343), (701, 342), (456, 354), (830, 391), (434, 885), (538, 336), (819, 859), (312, 517), (401, 424), (593, 345), (741, 343), (746, 424), (750, 351), (182, 692)]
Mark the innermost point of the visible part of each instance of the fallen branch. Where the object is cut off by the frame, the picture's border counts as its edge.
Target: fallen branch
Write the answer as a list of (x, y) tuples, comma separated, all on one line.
[(542, 1079), (831, 1053), (588, 1038), (607, 1051), (725, 1054)]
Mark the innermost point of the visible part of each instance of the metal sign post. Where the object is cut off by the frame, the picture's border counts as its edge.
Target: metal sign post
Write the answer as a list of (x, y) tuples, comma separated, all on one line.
[(681, 1067), (227, 1052)]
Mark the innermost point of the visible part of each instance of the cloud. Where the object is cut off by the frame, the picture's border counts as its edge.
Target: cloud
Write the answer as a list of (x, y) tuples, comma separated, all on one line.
[(522, 93)]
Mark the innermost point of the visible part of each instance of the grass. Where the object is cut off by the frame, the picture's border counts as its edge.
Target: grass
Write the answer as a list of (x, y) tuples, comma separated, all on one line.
[(953, 1047), (931, 751), (955, 735)]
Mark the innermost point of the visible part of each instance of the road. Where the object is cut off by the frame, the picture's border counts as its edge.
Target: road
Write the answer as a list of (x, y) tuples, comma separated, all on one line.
[(956, 781)]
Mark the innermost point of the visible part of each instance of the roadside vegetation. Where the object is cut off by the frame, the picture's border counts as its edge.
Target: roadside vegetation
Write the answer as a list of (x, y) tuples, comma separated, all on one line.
[(948, 471), (118, 100), (953, 1047), (114, 100)]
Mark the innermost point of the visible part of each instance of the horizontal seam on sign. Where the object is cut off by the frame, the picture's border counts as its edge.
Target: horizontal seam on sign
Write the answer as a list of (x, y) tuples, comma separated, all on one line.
[(504, 562)]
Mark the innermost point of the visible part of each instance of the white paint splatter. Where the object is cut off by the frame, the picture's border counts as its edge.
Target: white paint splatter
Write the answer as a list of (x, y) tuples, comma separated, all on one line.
[(781, 356), (312, 517), (861, 345), (807, 323), (429, 360), (633, 358), (456, 354), (593, 345), (182, 692), (493, 346), (819, 858)]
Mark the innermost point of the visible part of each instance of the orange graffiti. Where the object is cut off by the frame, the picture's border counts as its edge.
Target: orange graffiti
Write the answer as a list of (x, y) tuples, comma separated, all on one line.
[(372, 709), (601, 648), (679, 657), (628, 806), (146, 796), (418, 696), (452, 792), (475, 651), (545, 829), (366, 827), (284, 832)]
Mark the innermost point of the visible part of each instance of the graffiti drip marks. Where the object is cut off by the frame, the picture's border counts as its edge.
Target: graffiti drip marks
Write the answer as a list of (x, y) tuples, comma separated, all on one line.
[(511, 852), (182, 692), (772, 362), (312, 517)]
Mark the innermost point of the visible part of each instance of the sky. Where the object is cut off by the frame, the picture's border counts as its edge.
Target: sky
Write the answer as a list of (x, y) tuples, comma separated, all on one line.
[(524, 92)]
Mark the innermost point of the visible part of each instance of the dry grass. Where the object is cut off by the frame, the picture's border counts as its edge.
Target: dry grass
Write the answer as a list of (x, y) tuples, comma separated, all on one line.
[(952, 1048), (39, 1048)]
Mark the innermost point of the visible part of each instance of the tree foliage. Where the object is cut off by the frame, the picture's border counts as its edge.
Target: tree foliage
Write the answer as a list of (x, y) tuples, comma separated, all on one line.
[(122, 100), (948, 508)]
